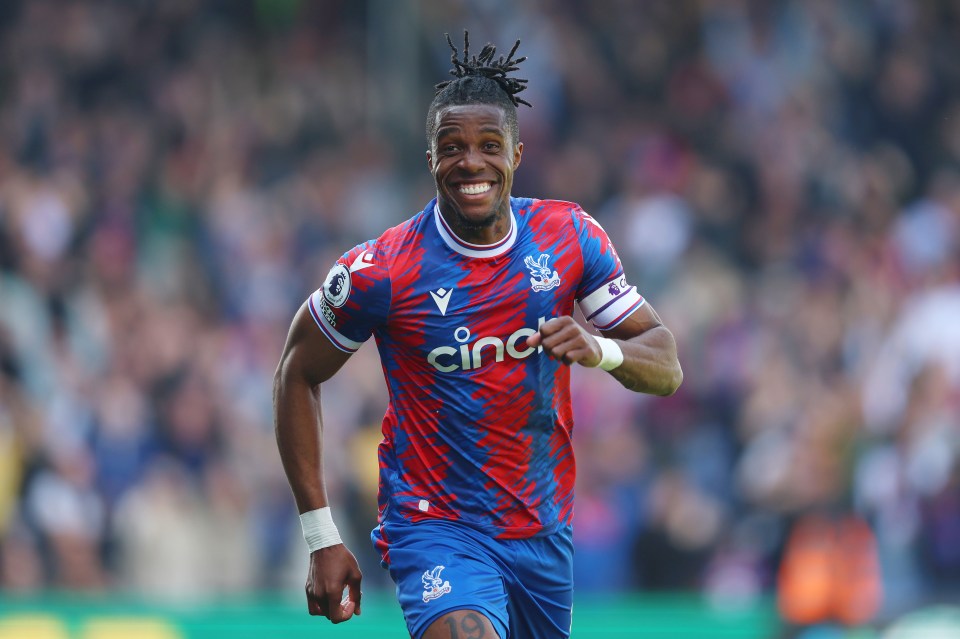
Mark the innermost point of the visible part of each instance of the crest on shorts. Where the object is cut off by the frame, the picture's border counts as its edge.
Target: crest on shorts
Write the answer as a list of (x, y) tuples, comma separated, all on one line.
[(543, 277), (336, 289), (433, 585)]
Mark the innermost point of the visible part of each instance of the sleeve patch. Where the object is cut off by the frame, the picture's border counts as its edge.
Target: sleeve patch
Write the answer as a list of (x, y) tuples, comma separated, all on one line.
[(336, 288), (326, 319)]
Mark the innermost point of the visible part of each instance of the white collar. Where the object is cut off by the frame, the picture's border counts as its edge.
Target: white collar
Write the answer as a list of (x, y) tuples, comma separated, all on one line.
[(475, 250)]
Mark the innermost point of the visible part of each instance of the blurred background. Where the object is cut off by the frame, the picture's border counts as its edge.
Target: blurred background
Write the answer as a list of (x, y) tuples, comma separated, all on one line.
[(781, 178)]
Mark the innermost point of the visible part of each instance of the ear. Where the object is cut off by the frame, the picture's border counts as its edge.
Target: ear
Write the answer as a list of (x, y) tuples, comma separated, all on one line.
[(429, 161), (517, 153)]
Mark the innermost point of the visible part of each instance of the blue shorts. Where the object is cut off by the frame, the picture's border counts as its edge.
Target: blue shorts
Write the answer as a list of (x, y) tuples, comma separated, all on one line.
[(524, 586)]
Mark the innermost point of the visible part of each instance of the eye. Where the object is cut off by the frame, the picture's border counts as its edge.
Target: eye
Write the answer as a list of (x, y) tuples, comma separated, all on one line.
[(491, 146)]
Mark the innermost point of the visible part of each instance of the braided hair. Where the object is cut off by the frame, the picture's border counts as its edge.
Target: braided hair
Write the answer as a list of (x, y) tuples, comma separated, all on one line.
[(480, 79)]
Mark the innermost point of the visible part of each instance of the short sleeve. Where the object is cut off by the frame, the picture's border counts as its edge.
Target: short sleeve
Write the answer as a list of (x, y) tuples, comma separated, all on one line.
[(604, 295), (354, 299)]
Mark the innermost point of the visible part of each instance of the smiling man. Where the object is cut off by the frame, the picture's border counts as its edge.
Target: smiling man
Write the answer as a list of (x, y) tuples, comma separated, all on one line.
[(472, 158), (470, 302)]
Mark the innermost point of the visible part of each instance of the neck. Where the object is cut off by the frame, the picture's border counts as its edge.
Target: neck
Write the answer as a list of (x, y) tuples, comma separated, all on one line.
[(489, 230)]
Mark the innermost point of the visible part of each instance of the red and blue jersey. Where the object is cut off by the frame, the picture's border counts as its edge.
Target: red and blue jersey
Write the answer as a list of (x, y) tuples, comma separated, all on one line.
[(479, 424)]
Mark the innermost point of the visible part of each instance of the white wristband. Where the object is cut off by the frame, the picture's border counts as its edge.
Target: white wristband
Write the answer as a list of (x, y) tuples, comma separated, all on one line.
[(612, 356), (319, 530)]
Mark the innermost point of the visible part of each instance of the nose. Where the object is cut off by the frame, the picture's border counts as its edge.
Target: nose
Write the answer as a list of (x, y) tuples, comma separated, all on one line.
[(472, 160)]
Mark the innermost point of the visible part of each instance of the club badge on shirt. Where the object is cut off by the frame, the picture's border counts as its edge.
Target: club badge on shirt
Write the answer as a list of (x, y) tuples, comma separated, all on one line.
[(543, 277)]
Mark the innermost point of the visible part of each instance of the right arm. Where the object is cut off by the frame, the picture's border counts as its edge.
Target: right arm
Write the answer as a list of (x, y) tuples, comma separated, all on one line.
[(308, 360)]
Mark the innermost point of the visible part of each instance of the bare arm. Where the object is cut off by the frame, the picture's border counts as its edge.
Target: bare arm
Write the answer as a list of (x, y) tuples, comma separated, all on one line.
[(308, 360), (650, 363)]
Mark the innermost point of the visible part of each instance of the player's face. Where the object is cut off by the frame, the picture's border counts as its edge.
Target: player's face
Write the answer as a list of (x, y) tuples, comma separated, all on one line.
[(472, 159)]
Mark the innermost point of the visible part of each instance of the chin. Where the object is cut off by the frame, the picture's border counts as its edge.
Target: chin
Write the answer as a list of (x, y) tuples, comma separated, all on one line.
[(486, 217), (476, 224)]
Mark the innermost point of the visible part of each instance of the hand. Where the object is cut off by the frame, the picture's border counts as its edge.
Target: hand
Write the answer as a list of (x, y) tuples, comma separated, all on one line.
[(564, 339), (332, 569)]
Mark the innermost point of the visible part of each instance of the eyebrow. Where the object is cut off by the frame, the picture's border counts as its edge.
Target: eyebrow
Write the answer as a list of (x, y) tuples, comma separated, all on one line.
[(447, 130)]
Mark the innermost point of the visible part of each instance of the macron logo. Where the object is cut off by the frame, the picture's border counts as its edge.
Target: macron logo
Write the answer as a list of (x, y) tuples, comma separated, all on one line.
[(442, 298), (364, 260)]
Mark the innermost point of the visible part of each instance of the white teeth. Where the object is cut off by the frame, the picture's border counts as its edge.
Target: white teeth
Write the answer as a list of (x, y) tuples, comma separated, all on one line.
[(475, 189)]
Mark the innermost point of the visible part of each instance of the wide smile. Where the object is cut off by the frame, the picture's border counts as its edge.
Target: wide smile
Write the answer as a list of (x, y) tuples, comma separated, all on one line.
[(473, 190)]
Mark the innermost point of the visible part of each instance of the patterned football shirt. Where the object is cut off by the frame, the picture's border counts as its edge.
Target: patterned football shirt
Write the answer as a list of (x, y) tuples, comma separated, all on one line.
[(479, 424)]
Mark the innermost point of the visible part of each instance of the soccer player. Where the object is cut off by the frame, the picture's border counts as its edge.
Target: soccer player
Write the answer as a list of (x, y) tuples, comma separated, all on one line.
[(471, 304)]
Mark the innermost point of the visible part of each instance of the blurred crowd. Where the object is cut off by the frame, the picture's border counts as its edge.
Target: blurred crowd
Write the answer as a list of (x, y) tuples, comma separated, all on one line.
[(782, 180)]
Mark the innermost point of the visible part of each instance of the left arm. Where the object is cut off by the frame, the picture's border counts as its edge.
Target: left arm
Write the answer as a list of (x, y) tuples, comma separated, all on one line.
[(650, 363)]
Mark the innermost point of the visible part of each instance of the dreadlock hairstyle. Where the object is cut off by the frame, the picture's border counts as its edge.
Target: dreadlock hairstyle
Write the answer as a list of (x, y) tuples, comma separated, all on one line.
[(480, 80)]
